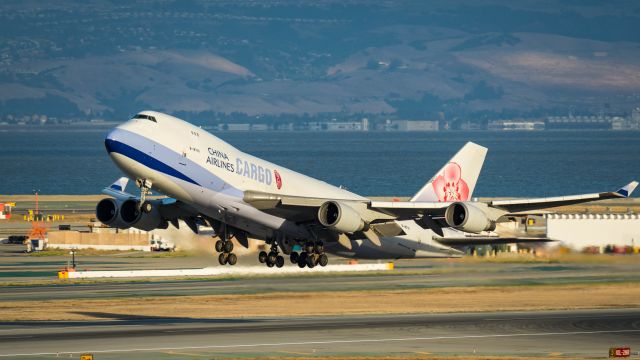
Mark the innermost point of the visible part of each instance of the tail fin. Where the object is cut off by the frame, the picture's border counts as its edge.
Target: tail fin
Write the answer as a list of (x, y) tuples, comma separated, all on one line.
[(457, 179)]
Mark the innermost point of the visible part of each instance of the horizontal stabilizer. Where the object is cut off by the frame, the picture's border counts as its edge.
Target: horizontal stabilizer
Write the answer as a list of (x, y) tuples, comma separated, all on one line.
[(488, 240)]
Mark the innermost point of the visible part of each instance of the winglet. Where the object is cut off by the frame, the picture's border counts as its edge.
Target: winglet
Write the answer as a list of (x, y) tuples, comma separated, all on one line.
[(120, 184), (117, 189), (626, 190)]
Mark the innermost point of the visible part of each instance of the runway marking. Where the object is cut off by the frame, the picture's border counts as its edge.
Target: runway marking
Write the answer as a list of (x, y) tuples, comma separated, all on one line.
[(185, 353), (329, 342), (71, 327), (558, 317), (295, 353)]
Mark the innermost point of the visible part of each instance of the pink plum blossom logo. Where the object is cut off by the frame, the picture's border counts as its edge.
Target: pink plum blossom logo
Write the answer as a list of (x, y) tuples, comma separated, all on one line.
[(449, 185)]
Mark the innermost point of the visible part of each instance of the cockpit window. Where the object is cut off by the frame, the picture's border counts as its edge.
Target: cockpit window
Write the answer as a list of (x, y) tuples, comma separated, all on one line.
[(147, 117)]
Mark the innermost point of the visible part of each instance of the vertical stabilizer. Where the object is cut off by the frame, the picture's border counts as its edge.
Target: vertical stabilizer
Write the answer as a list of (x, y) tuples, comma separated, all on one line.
[(457, 179)]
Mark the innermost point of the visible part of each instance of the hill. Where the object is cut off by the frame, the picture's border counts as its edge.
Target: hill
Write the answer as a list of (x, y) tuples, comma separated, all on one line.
[(468, 59)]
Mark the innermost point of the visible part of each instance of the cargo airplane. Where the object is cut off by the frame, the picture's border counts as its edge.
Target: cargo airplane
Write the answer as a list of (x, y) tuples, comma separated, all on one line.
[(209, 181)]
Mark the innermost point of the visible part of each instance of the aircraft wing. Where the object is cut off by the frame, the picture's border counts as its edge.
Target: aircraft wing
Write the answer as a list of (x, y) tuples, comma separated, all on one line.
[(297, 208), (515, 206), (408, 209), (294, 208)]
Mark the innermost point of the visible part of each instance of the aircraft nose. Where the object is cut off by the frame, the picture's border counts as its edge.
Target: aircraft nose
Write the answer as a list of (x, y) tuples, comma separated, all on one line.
[(111, 140)]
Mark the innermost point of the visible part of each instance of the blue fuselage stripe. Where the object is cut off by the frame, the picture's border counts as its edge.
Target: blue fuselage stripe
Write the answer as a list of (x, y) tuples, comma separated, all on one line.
[(145, 159)]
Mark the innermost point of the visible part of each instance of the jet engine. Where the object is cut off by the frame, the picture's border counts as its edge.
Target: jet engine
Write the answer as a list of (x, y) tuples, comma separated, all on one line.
[(108, 213), (341, 217), (469, 218), (146, 218), (125, 214)]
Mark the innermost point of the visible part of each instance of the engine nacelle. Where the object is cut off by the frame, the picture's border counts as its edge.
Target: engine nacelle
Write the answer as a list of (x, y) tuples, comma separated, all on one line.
[(340, 217), (468, 217), (148, 218), (126, 214), (108, 213)]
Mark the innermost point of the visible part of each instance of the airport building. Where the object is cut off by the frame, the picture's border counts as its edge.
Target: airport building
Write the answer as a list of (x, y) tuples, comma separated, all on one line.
[(581, 231), (601, 122), (519, 125), (100, 237)]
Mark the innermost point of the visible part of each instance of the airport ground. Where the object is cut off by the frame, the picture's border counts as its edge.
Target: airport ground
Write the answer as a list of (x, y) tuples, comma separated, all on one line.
[(574, 306), (508, 307)]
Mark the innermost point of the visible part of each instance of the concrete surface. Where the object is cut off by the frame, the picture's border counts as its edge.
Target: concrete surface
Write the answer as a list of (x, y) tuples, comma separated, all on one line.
[(572, 333)]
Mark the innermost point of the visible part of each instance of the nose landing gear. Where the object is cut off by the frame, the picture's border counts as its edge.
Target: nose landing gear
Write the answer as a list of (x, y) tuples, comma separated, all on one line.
[(145, 188)]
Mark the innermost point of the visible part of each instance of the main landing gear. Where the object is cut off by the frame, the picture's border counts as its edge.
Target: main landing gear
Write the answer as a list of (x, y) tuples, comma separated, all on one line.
[(272, 258), (312, 255), (225, 247)]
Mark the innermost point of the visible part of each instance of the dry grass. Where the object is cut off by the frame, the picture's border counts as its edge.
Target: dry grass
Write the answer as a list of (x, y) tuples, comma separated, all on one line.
[(476, 299), (429, 357)]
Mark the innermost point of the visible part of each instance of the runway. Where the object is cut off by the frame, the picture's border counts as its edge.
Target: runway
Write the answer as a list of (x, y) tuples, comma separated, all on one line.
[(572, 333), (444, 275)]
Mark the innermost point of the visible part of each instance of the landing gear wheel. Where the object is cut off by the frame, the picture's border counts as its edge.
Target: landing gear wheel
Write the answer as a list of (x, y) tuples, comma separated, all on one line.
[(319, 248), (146, 207), (228, 246), (324, 260), (294, 257), (308, 247), (269, 263), (222, 258), (279, 261), (219, 246), (232, 259), (262, 257), (302, 260), (311, 262), (272, 257)]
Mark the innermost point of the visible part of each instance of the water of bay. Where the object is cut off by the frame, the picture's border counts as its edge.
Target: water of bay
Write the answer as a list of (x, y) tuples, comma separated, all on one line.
[(518, 164)]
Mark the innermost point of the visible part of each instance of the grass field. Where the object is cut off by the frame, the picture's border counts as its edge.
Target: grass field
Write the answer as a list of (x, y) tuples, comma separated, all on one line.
[(440, 300)]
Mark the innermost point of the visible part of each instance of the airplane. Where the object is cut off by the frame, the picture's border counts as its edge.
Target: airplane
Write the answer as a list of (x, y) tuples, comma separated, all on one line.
[(208, 181)]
